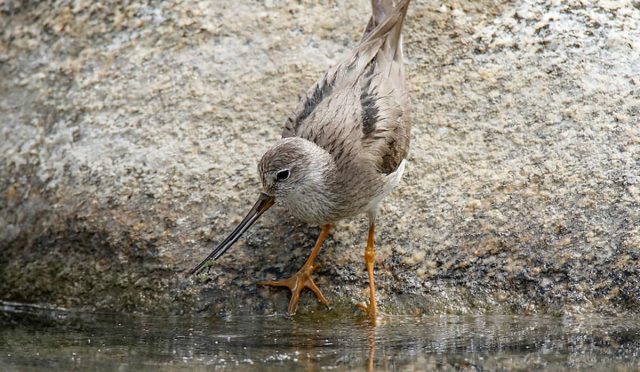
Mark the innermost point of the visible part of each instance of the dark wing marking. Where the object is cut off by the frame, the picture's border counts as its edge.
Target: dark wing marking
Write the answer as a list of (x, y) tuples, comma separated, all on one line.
[(384, 97), (368, 101), (321, 90)]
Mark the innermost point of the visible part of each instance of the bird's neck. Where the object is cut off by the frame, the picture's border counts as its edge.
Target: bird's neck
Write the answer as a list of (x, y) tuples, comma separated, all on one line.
[(314, 201)]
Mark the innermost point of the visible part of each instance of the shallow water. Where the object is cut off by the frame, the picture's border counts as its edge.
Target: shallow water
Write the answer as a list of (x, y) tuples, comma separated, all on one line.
[(38, 338)]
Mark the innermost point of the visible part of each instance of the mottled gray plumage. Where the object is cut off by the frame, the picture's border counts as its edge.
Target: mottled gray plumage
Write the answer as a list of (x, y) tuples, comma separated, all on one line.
[(358, 114), (343, 148)]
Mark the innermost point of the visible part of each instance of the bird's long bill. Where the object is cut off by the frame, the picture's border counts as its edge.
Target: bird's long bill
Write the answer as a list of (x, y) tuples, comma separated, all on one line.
[(264, 202)]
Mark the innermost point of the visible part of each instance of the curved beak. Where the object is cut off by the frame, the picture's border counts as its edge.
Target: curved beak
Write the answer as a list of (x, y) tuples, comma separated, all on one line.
[(264, 202)]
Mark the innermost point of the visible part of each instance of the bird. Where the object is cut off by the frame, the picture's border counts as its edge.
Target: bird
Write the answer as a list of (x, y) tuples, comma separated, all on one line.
[(342, 150)]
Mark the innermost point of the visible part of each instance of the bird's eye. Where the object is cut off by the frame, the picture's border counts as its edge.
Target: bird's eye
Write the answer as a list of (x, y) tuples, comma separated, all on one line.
[(282, 174)]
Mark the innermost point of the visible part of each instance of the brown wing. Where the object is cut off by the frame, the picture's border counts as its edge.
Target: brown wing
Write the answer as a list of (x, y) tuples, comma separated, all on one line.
[(357, 110)]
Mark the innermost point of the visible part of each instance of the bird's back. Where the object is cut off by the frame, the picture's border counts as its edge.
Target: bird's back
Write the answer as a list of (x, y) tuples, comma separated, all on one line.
[(357, 111)]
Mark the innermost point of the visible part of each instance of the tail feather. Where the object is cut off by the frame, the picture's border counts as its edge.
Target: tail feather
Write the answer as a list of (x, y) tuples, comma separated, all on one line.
[(387, 18), (381, 9)]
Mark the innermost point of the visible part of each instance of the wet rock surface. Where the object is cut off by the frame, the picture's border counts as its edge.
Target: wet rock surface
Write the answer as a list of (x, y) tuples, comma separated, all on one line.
[(130, 134)]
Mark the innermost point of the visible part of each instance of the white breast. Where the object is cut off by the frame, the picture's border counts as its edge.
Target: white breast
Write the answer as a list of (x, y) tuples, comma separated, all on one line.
[(391, 182)]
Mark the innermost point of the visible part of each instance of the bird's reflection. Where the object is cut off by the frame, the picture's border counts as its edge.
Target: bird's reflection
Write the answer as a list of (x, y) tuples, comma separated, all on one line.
[(371, 342)]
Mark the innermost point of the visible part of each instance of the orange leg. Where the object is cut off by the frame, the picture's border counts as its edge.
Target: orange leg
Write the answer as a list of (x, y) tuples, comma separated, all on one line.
[(302, 279), (369, 256)]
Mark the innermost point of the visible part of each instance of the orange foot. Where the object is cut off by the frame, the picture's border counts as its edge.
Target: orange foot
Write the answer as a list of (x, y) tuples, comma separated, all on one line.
[(299, 281), (369, 309)]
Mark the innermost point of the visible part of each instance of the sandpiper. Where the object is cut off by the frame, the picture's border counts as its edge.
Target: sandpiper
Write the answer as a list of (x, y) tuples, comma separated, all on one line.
[(343, 148)]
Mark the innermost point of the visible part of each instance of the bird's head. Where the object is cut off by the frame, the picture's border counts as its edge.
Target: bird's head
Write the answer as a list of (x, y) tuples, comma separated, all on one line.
[(293, 167), (293, 170)]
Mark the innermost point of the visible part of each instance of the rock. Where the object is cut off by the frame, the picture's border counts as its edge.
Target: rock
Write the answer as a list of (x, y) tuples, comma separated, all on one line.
[(130, 134)]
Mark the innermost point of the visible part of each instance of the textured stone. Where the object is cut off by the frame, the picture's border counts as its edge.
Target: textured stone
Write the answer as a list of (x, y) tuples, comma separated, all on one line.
[(130, 133)]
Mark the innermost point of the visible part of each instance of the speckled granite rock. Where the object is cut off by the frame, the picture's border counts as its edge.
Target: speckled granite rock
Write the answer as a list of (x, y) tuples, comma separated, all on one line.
[(129, 136)]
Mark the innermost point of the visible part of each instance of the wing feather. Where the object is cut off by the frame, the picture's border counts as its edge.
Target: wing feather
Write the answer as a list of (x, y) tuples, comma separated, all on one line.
[(357, 111)]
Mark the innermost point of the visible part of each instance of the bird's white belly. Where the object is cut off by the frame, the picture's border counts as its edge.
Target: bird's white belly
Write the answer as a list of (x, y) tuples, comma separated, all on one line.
[(391, 182)]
